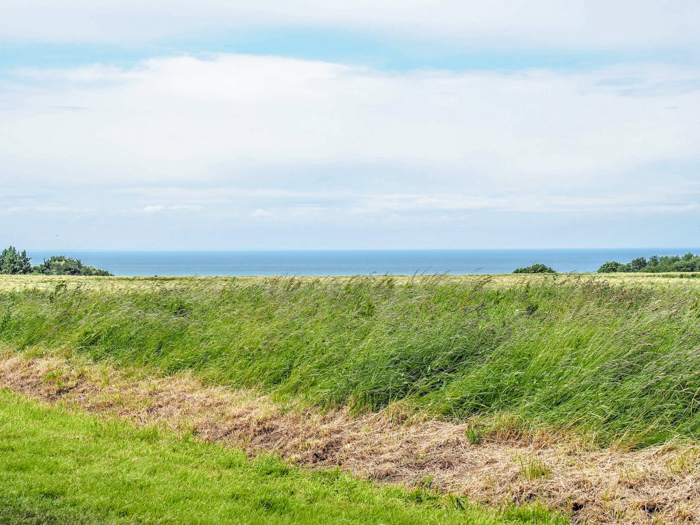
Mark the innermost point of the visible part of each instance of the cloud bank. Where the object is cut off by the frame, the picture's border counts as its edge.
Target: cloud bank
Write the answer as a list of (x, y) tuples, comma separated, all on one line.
[(191, 119), (229, 142)]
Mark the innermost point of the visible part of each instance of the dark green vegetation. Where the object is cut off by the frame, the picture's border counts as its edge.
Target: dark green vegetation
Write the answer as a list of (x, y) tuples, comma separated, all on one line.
[(57, 467), (13, 262), (536, 268), (655, 264), (616, 361), (62, 265)]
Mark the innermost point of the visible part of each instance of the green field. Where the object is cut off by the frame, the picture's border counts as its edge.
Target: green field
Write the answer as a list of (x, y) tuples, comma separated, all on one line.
[(615, 359), (58, 467)]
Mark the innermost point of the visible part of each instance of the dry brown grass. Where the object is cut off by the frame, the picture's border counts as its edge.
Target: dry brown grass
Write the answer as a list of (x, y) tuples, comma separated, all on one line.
[(655, 485)]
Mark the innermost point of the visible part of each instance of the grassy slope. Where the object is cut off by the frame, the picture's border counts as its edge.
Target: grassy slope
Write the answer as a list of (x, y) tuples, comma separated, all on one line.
[(619, 360), (58, 467)]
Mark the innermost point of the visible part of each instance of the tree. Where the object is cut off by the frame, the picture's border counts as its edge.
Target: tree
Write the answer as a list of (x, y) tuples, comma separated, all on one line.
[(536, 268), (62, 265), (638, 264), (613, 267), (13, 262), (656, 264)]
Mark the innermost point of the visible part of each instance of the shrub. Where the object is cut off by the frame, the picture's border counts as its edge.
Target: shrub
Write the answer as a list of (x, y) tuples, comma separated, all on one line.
[(613, 267), (62, 265), (535, 268)]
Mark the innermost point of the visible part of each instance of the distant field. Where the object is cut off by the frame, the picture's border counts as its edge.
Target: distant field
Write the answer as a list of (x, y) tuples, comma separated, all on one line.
[(613, 358), (42, 282)]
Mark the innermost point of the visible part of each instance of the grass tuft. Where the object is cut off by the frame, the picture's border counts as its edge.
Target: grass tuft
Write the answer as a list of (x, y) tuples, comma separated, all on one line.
[(532, 468)]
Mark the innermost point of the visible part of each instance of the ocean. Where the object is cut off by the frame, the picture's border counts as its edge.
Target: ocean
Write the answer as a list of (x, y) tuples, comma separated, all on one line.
[(349, 262)]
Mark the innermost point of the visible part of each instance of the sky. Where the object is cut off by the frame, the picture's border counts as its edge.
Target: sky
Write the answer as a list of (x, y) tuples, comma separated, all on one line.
[(349, 124)]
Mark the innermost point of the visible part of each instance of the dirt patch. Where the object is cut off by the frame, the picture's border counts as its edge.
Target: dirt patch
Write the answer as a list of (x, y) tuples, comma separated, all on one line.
[(654, 485)]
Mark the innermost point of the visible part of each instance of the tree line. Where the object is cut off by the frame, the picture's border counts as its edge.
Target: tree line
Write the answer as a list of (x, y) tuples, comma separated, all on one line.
[(14, 262), (655, 264)]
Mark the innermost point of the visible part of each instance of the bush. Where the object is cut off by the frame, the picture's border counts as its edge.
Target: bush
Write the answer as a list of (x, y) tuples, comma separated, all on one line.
[(535, 268), (613, 267), (62, 265)]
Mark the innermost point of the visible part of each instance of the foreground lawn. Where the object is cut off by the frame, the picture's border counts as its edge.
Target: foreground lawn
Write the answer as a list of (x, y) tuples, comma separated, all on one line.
[(58, 467)]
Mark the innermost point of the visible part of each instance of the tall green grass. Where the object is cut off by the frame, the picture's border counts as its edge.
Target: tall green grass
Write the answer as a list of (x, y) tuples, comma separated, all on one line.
[(619, 361), (63, 468)]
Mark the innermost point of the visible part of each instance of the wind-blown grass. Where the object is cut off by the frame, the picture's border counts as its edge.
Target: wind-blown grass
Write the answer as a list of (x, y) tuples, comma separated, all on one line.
[(620, 361), (57, 467)]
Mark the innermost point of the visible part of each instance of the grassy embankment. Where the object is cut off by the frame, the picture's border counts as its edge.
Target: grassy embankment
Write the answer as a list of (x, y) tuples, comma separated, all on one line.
[(60, 467), (604, 357)]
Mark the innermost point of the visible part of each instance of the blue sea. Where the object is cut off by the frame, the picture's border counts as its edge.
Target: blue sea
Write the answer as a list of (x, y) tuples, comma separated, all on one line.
[(349, 262)]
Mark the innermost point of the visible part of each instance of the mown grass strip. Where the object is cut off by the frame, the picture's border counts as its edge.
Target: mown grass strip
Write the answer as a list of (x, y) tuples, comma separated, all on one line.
[(616, 361), (60, 467)]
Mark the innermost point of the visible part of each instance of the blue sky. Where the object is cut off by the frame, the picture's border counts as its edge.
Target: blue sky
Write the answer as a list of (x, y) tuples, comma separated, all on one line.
[(349, 124)]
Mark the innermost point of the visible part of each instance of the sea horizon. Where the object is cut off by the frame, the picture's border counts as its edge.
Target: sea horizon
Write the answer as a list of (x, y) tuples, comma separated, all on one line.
[(317, 262)]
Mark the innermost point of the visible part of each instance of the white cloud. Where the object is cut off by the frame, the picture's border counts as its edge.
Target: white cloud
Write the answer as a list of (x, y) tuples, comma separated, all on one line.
[(261, 214), (496, 23), (46, 209), (317, 148), (156, 208), (232, 117)]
